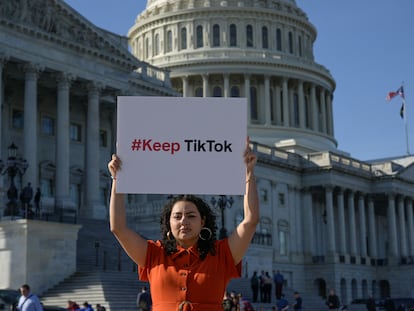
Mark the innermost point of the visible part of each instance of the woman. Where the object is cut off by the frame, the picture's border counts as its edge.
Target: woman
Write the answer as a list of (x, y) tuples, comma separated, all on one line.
[(189, 269)]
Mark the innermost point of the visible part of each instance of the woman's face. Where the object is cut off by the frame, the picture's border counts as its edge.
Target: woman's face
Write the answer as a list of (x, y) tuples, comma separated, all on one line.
[(185, 223)]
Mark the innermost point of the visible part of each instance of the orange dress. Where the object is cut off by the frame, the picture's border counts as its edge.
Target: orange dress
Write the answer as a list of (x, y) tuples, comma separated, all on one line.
[(182, 281)]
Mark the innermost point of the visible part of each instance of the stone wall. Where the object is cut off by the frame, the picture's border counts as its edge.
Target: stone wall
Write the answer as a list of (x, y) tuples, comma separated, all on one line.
[(38, 253)]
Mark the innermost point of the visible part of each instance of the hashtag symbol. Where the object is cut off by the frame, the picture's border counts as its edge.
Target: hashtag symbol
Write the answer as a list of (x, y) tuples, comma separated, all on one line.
[(136, 145)]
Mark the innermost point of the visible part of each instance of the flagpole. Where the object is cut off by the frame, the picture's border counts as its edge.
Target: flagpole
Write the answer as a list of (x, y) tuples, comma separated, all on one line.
[(406, 127)]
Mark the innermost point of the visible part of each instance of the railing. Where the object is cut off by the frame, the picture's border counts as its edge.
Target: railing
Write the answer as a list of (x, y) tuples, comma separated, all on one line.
[(154, 74)]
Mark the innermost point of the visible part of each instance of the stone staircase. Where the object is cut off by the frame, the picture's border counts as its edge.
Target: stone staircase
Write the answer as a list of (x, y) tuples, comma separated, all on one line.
[(106, 275)]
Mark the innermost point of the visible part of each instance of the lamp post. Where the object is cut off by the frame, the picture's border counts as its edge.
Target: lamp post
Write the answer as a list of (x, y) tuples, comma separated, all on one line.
[(222, 203), (14, 166)]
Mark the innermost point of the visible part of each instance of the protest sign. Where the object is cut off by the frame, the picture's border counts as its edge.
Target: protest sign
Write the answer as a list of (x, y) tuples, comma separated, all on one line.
[(175, 145)]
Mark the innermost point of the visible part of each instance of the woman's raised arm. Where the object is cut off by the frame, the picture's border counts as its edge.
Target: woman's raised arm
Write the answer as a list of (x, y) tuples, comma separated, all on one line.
[(240, 239), (133, 243)]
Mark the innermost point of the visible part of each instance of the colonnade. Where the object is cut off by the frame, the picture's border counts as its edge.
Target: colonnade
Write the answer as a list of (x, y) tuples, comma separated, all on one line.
[(280, 101), (62, 153), (353, 225)]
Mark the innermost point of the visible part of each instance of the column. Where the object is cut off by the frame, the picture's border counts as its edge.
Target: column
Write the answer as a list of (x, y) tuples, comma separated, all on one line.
[(92, 151), (3, 60), (267, 100), (314, 109), (301, 98), (362, 226), (323, 110), (185, 85), (351, 216), (285, 102), (409, 209), (30, 124), (278, 108), (62, 177), (247, 95), (206, 86), (373, 251), (392, 227), (298, 220), (341, 218), (401, 224), (226, 85), (329, 114), (330, 220), (308, 236)]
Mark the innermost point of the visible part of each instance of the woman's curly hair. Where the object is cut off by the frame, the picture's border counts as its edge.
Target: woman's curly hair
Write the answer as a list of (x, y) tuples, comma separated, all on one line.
[(204, 246)]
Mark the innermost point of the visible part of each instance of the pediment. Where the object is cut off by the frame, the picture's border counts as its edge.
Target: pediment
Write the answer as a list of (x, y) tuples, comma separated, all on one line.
[(55, 21), (407, 173)]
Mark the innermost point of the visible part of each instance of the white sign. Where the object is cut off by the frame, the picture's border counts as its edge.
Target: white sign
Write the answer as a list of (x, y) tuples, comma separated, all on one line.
[(176, 145)]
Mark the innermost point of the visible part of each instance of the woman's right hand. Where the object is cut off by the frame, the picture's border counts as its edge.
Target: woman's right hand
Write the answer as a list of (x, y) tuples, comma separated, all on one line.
[(114, 165)]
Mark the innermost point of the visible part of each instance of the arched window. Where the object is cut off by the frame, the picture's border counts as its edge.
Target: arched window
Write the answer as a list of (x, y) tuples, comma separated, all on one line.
[(263, 234), (278, 39), (199, 92), (249, 36), (217, 91), (254, 108), (169, 41), (183, 38), (290, 42), (216, 35), (199, 37), (157, 44), (235, 91), (233, 35), (265, 38), (296, 110)]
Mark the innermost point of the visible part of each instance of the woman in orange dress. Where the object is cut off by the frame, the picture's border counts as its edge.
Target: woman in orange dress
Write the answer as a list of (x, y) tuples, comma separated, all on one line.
[(188, 269)]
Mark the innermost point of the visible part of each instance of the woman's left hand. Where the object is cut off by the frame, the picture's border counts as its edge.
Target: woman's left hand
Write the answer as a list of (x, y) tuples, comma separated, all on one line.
[(250, 158)]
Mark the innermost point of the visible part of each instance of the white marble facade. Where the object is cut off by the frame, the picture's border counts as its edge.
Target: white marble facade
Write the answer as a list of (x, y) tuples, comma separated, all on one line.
[(327, 220), (59, 78)]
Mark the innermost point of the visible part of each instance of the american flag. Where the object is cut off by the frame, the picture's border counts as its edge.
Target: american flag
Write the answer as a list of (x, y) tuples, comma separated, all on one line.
[(400, 92)]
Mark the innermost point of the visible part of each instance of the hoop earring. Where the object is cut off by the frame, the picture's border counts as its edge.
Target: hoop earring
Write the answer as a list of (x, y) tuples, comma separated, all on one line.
[(169, 236), (210, 234)]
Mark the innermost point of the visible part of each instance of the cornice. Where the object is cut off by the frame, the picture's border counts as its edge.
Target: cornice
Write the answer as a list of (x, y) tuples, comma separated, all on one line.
[(56, 22)]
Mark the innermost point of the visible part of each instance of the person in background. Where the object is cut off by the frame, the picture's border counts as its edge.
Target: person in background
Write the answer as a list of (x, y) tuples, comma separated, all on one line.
[(86, 307), (228, 304), (254, 284), (72, 306), (278, 279), (36, 199), (100, 308), (297, 305), (282, 304), (28, 301), (144, 302), (188, 269), (333, 300)]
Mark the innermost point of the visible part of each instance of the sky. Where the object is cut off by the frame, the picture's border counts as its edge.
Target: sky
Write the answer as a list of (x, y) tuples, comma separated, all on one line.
[(368, 47)]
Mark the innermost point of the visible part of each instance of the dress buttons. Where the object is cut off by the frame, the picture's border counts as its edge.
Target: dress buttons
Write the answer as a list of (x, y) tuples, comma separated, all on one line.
[(183, 288), (183, 274)]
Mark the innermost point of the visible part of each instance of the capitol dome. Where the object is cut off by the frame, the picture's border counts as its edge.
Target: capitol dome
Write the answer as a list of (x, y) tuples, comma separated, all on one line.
[(258, 49)]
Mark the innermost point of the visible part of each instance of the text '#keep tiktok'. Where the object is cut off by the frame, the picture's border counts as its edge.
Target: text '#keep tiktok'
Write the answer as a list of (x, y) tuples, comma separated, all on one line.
[(189, 145)]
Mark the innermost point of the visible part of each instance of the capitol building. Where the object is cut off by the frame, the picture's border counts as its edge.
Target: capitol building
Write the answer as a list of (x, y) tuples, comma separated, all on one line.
[(328, 220)]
